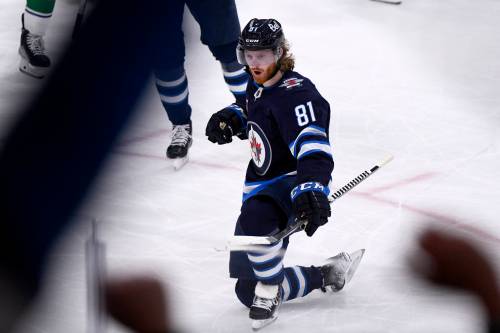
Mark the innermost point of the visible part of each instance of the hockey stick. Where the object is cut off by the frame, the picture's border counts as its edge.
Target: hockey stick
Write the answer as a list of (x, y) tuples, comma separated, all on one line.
[(95, 267), (241, 243), (79, 19)]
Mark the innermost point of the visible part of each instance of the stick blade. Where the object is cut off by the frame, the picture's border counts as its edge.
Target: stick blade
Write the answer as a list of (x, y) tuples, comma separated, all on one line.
[(250, 240), (249, 244)]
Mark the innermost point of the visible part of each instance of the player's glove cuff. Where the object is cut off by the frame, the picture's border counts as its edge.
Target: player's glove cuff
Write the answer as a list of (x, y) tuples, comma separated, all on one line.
[(309, 186), (238, 120)]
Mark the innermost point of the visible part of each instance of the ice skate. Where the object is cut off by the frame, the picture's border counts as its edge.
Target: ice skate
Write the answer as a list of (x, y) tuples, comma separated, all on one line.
[(266, 303), (179, 146), (338, 270), (34, 60)]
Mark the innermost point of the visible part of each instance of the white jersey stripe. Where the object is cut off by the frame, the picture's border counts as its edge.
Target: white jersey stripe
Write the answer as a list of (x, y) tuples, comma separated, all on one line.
[(249, 188), (306, 131), (324, 147), (239, 88)]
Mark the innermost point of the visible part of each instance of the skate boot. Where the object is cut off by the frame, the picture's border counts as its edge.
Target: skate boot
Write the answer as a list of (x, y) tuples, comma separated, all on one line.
[(34, 60), (266, 302), (339, 270), (179, 146)]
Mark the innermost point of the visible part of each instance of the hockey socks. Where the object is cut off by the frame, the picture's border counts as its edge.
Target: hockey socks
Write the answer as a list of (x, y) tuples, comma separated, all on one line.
[(172, 86), (236, 79), (268, 266), (37, 14), (299, 281)]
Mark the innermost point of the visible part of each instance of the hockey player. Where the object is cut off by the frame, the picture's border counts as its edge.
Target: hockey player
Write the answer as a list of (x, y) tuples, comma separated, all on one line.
[(286, 122), (35, 20), (220, 30)]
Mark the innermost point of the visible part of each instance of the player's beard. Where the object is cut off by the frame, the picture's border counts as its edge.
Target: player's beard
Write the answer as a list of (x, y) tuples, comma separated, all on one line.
[(264, 74)]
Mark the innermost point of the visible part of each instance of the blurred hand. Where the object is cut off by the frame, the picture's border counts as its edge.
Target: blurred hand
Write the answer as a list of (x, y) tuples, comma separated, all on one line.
[(458, 263), (138, 303)]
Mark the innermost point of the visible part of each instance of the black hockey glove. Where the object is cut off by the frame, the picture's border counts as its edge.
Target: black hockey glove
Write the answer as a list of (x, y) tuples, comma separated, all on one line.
[(224, 124), (310, 202)]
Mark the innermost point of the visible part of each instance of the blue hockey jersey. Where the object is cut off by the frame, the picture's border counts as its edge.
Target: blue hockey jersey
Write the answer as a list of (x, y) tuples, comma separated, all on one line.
[(287, 128)]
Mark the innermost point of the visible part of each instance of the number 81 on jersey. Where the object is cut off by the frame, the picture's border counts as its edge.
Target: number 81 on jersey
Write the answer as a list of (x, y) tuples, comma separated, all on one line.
[(303, 116)]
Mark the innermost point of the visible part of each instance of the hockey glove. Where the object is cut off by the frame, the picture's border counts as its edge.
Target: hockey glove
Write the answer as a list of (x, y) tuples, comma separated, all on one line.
[(310, 202), (224, 124)]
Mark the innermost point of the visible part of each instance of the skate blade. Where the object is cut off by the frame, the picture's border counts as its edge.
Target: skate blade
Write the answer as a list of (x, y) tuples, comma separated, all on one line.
[(389, 2), (36, 72), (258, 324), (180, 162), (356, 259)]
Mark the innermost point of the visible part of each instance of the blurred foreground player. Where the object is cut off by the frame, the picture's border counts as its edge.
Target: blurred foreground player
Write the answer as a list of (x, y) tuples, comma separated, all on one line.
[(43, 181), (35, 20), (286, 122), (220, 30)]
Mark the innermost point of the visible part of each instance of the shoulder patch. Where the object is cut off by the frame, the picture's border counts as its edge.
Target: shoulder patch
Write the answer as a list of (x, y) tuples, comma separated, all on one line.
[(292, 82)]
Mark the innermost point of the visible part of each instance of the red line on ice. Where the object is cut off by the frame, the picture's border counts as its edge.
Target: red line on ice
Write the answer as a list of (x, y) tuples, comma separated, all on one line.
[(144, 137), (437, 217), (191, 161), (414, 179)]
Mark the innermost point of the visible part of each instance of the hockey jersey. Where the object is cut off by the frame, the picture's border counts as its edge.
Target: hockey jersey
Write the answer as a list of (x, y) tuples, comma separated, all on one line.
[(287, 129)]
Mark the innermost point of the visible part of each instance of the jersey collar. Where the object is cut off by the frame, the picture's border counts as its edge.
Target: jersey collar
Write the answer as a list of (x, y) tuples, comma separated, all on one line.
[(271, 82)]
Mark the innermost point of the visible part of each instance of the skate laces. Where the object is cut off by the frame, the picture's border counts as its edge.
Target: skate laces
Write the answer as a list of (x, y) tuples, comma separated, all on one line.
[(342, 264), (35, 44), (265, 303), (180, 136), (344, 260)]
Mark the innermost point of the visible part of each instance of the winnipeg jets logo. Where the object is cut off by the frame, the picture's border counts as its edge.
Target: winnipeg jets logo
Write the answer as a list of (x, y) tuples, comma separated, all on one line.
[(256, 148), (292, 82), (260, 149)]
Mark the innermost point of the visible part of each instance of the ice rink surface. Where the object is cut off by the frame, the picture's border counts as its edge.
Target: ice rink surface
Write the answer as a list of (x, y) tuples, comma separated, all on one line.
[(420, 81)]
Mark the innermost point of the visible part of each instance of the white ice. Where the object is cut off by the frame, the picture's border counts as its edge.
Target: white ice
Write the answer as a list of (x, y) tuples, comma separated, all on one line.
[(420, 81)]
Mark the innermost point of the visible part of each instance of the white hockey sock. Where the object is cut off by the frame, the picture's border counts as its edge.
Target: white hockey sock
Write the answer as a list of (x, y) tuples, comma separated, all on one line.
[(268, 291), (36, 23)]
